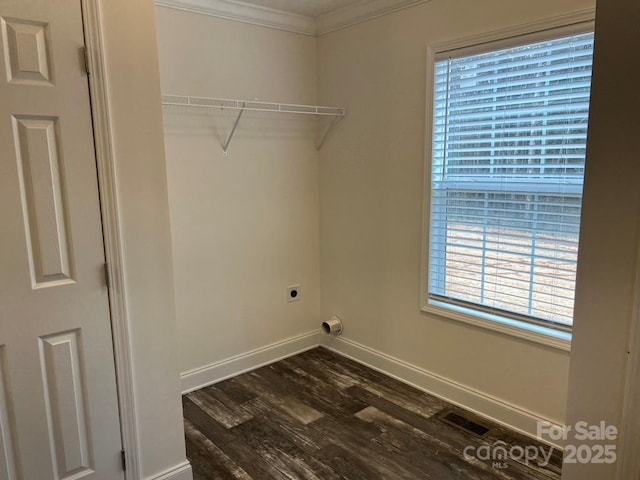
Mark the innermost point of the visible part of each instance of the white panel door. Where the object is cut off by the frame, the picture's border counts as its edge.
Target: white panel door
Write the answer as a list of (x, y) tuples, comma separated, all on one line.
[(58, 399)]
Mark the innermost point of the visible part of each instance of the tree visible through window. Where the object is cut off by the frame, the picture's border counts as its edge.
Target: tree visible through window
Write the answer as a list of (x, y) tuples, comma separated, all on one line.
[(509, 144)]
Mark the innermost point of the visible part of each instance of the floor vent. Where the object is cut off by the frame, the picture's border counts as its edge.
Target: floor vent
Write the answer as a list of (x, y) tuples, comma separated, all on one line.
[(465, 424)]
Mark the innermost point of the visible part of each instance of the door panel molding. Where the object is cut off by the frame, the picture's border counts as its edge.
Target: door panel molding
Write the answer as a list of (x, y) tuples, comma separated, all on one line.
[(9, 466), (41, 176), (112, 237), (63, 377), (27, 52)]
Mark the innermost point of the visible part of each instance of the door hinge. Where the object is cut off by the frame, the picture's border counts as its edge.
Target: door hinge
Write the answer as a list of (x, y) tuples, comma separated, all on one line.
[(107, 275), (85, 56), (123, 456)]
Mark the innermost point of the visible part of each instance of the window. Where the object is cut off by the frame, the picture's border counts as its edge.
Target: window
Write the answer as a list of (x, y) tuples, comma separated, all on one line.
[(507, 167)]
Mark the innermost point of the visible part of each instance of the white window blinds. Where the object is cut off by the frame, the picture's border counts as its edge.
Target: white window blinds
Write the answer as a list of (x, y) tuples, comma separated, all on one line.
[(509, 142)]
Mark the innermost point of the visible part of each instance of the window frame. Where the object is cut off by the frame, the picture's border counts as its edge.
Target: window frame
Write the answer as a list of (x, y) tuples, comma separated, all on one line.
[(565, 25)]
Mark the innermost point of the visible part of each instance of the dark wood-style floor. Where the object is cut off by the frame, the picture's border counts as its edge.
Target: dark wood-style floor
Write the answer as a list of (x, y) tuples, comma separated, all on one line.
[(319, 415)]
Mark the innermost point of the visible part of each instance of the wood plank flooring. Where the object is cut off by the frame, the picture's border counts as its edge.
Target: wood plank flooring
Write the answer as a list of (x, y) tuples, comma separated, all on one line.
[(321, 416)]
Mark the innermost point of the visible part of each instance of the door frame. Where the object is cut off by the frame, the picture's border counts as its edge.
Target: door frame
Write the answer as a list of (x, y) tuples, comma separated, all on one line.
[(105, 161), (628, 459)]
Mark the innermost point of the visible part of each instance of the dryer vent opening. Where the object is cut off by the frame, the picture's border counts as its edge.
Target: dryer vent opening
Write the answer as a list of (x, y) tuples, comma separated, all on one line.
[(333, 326)]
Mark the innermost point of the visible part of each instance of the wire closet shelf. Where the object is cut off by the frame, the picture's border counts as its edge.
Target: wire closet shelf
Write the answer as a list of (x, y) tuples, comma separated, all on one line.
[(253, 105)]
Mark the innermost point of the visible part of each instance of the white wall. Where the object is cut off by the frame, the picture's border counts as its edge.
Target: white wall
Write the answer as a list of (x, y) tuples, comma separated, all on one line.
[(371, 184), (244, 227), (129, 31), (610, 234)]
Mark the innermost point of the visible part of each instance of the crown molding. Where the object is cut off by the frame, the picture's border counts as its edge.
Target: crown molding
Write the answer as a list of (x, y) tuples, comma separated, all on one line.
[(359, 12), (267, 17), (245, 13)]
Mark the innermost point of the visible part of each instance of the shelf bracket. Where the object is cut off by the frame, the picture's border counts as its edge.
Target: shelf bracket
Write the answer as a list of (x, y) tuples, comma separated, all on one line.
[(324, 135), (225, 147)]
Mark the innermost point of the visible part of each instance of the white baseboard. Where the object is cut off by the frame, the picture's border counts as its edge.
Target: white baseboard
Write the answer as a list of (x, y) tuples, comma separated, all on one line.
[(230, 367), (179, 472), (495, 409)]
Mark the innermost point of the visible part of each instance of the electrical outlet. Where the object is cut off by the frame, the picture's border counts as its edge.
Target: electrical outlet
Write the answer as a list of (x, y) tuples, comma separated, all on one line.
[(293, 293)]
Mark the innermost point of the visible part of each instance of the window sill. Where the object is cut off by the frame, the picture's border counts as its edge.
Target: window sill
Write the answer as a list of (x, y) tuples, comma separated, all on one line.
[(507, 326)]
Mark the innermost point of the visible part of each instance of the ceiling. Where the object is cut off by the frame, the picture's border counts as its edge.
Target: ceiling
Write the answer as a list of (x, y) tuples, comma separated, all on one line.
[(309, 8)]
